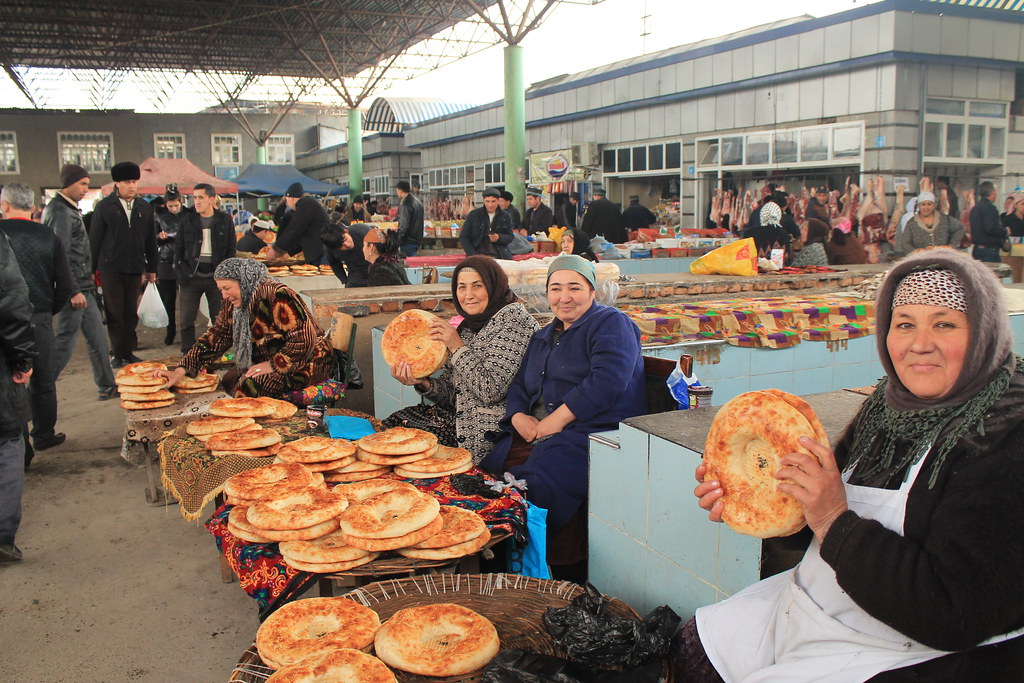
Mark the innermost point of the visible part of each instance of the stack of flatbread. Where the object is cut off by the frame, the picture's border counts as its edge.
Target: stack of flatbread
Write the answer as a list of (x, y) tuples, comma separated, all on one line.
[(462, 533), (307, 270), (279, 271), (140, 390), (282, 410), (385, 514), (200, 384), (440, 463), (286, 486), (407, 339), (326, 270), (235, 436), (318, 453), (743, 451), (329, 553), (306, 629), (400, 447)]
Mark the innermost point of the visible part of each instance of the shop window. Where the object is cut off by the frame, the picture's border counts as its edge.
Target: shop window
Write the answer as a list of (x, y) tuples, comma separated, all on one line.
[(639, 158), (965, 129), (674, 155), (91, 151), (991, 110), (954, 140), (732, 151), (8, 151), (382, 184), (624, 158), (944, 107), (846, 142), (169, 146), (933, 139), (996, 143), (709, 152), (814, 145), (758, 150), (656, 157), (975, 142), (608, 161), (786, 149), (281, 149)]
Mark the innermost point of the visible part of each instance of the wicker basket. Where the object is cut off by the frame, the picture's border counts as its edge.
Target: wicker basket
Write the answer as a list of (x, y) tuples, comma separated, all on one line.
[(513, 603)]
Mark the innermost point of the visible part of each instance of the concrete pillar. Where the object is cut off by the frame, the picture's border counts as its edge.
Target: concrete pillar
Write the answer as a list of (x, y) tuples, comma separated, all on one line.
[(261, 158), (515, 126), (355, 152)]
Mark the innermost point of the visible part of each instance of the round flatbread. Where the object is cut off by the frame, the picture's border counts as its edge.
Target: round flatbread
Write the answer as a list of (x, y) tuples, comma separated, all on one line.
[(208, 390), (389, 515), (457, 526), (239, 526), (297, 509), (146, 367), (347, 666), (397, 441), (246, 428), (407, 339), (241, 407), (200, 381), (330, 548), (317, 449), (327, 466), (806, 410), (444, 459), (268, 452), (357, 466), (161, 395), (743, 451), (367, 475), (282, 409), (382, 460), (364, 491), (261, 482), (402, 471), (329, 567), (449, 553), (205, 426), (130, 379), (142, 390), (243, 440), (437, 640), (305, 534), (410, 539), (148, 405), (306, 628)]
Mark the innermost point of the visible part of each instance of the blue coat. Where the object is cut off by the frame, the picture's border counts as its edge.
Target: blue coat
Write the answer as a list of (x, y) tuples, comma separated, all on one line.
[(595, 368)]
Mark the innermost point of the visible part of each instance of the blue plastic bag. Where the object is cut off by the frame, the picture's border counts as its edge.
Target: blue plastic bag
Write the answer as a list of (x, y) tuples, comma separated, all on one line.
[(533, 559)]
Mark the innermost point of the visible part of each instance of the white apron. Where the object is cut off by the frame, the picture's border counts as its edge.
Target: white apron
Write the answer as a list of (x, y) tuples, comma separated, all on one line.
[(801, 626)]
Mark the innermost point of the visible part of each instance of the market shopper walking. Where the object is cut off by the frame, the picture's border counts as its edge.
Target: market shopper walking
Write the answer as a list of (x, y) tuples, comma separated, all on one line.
[(83, 314), (603, 218), (123, 243), (17, 355), (987, 231), (410, 220), (43, 265), (301, 231), (168, 223), (205, 239)]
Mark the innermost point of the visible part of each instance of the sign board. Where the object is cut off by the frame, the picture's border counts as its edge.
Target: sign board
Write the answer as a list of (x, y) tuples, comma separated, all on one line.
[(880, 141), (901, 181), (226, 172), (553, 167)]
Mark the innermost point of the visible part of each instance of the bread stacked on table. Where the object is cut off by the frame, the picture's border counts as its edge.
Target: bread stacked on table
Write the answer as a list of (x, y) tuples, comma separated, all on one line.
[(326, 639), (462, 533), (232, 429), (319, 453), (305, 270), (412, 453), (202, 383), (279, 271), (140, 390)]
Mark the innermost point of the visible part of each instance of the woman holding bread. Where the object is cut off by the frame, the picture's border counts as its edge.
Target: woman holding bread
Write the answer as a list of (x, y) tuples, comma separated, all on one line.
[(486, 351), (279, 347), (583, 373), (914, 569)]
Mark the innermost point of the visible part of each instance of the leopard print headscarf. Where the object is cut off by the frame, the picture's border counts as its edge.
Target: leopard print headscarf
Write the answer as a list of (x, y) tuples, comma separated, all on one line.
[(931, 287)]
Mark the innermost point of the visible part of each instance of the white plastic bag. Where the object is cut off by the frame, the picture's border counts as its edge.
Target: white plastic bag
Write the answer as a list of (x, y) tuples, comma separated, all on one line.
[(151, 309)]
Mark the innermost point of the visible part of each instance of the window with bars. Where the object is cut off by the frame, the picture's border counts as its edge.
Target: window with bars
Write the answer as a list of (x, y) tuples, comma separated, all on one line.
[(281, 149), (644, 159), (957, 130), (169, 146), (8, 151), (227, 149), (91, 151)]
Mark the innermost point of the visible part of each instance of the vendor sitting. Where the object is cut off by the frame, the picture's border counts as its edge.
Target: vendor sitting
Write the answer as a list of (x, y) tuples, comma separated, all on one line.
[(254, 239), (575, 241), (380, 249), (913, 573), (582, 373), (279, 347)]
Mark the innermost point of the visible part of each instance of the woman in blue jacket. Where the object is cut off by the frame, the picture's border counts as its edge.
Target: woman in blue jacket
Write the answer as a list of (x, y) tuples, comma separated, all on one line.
[(582, 373)]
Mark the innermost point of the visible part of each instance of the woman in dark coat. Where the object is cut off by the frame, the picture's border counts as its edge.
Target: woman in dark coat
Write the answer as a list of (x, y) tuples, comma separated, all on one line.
[(575, 241), (380, 249), (843, 247), (582, 373)]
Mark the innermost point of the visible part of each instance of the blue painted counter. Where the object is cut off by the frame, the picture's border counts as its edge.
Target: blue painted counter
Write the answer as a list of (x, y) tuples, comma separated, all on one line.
[(636, 266)]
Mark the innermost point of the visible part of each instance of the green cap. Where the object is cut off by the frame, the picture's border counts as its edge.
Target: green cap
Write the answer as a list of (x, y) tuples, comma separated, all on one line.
[(576, 263)]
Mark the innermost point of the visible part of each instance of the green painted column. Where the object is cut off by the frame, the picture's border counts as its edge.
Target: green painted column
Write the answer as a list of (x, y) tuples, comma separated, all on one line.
[(515, 126), (355, 152), (261, 158)]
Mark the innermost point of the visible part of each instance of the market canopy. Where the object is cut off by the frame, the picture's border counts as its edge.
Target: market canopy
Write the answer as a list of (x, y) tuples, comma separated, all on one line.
[(157, 173), (274, 179)]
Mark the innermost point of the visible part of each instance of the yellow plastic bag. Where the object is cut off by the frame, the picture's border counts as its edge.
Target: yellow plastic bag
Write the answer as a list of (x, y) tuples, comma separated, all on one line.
[(555, 234), (735, 258)]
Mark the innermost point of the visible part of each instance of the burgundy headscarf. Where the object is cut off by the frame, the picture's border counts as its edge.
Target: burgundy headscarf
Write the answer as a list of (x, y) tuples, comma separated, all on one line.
[(498, 293)]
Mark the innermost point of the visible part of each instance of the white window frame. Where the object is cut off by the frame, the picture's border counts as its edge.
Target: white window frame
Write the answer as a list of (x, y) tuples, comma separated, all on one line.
[(61, 159), (496, 171), (435, 179), (179, 145), (704, 145), (967, 120), (381, 184), (12, 145), (648, 171), (218, 161), (274, 146)]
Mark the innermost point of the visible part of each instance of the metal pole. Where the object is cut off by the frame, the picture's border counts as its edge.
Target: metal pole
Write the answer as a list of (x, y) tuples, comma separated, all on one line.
[(261, 158), (515, 126), (355, 153)]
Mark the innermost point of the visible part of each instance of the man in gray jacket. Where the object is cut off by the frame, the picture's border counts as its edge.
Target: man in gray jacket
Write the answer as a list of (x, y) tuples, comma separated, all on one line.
[(65, 218), (410, 219)]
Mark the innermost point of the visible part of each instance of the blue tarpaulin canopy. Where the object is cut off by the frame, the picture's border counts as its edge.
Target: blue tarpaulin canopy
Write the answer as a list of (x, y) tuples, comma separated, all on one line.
[(274, 179)]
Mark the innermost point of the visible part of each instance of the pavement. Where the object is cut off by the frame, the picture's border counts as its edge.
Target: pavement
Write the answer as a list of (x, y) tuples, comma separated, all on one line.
[(112, 589)]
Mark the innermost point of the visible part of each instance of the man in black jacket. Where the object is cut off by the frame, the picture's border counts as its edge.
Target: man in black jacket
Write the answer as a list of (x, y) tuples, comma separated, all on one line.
[(637, 215), (987, 231), (603, 218), (344, 248), (64, 217), (17, 354), (206, 237), (123, 241), (356, 212), (505, 202), (252, 241), (487, 229), (410, 220), (44, 266), (538, 216), (302, 231)]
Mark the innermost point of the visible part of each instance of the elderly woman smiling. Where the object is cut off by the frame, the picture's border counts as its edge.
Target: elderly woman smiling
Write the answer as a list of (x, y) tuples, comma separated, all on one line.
[(279, 347), (582, 373), (914, 569)]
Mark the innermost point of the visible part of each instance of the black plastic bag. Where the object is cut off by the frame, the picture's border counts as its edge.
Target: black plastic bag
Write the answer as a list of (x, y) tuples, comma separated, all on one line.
[(473, 485), (589, 634), (518, 666)]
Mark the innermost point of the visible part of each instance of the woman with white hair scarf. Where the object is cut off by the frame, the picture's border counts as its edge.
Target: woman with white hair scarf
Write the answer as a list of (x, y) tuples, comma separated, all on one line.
[(929, 228), (279, 346)]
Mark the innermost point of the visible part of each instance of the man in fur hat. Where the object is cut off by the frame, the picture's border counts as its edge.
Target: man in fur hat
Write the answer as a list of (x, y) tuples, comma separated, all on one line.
[(123, 241)]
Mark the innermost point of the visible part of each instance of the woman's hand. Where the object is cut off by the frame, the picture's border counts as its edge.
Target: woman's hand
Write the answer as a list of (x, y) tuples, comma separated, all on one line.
[(710, 494), (555, 422), (259, 369), (816, 484), (526, 425), (172, 376), (442, 331), (403, 373)]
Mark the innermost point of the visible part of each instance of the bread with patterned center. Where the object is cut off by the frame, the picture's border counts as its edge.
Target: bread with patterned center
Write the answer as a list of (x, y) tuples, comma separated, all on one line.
[(243, 440), (217, 425), (282, 409), (457, 526), (306, 628), (261, 482), (744, 450), (437, 640), (297, 509), (363, 491), (318, 449), (407, 339), (450, 552), (346, 665), (397, 441), (146, 367), (389, 515), (304, 534), (131, 379), (409, 539), (241, 407), (200, 381), (148, 405)]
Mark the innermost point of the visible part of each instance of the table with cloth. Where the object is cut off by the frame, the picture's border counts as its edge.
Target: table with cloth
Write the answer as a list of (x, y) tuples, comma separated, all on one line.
[(264, 576), (145, 427)]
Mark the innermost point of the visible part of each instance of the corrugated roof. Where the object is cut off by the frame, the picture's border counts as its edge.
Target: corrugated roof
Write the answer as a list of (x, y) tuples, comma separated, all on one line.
[(391, 114), (1011, 5)]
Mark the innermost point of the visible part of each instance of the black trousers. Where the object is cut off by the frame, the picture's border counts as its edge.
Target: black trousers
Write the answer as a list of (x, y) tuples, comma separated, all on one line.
[(121, 301), (168, 288)]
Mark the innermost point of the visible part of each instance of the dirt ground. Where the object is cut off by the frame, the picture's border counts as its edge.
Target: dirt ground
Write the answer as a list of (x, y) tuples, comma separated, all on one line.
[(112, 589)]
